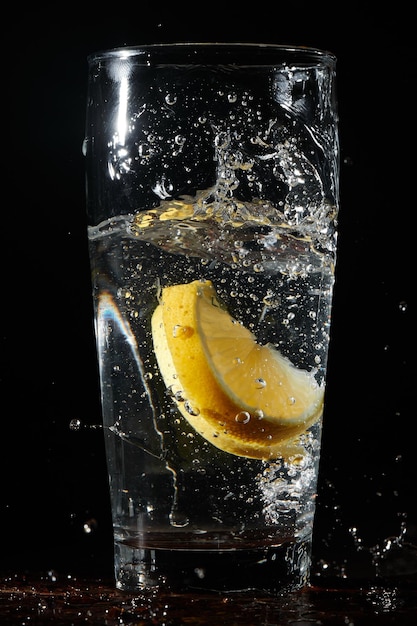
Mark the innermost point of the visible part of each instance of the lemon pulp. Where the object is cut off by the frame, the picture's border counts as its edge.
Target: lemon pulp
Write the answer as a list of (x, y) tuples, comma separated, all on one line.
[(244, 398)]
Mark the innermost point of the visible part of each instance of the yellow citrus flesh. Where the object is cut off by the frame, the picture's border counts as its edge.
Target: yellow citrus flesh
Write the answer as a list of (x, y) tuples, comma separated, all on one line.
[(244, 398)]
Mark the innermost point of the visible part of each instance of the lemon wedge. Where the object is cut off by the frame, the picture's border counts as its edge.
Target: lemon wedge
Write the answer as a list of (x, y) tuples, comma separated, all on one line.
[(244, 398)]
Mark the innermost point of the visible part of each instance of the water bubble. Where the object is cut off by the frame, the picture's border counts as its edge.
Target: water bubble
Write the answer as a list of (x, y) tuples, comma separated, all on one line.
[(179, 519), (221, 140), (180, 140), (271, 300), (243, 417), (179, 396), (200, 572), (75, 424), (144, 150), (170, 99), (190, 409), (232, 97), (260, 383), (148, 376), (182, 332)]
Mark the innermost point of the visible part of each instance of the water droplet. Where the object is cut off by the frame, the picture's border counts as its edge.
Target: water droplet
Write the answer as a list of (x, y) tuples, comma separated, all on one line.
[(90, 525), (243, 417), (52, 575), (75, 424)]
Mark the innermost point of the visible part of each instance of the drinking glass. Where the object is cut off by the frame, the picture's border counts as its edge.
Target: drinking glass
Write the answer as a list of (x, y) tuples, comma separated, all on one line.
[(212, 199)]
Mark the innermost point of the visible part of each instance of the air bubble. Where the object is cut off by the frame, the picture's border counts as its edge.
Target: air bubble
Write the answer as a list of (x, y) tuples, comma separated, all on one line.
[(144, 150), (180, 140), (260, 383), (190, 409), (75, 424), (243, 417), (170, 99), (179, 519), (182, 332)]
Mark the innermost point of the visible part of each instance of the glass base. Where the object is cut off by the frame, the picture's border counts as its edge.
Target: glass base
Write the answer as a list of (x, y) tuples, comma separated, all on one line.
[(269, 571)]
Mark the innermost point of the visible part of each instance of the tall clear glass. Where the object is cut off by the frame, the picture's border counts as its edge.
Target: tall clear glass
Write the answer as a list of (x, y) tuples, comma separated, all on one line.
[(212, 193)]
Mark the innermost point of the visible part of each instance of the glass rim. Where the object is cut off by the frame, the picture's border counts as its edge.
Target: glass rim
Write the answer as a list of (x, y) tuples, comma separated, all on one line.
[(233, 53)]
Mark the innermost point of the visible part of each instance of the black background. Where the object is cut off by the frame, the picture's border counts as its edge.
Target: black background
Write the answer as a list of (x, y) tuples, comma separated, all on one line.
[(53, 479)]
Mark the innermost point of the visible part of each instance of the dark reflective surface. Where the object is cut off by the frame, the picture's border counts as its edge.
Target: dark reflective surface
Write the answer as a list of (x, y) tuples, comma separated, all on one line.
[(52, 599)]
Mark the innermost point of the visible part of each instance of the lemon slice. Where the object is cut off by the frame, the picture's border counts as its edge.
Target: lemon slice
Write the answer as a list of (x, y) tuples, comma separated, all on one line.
[(244, 398)]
